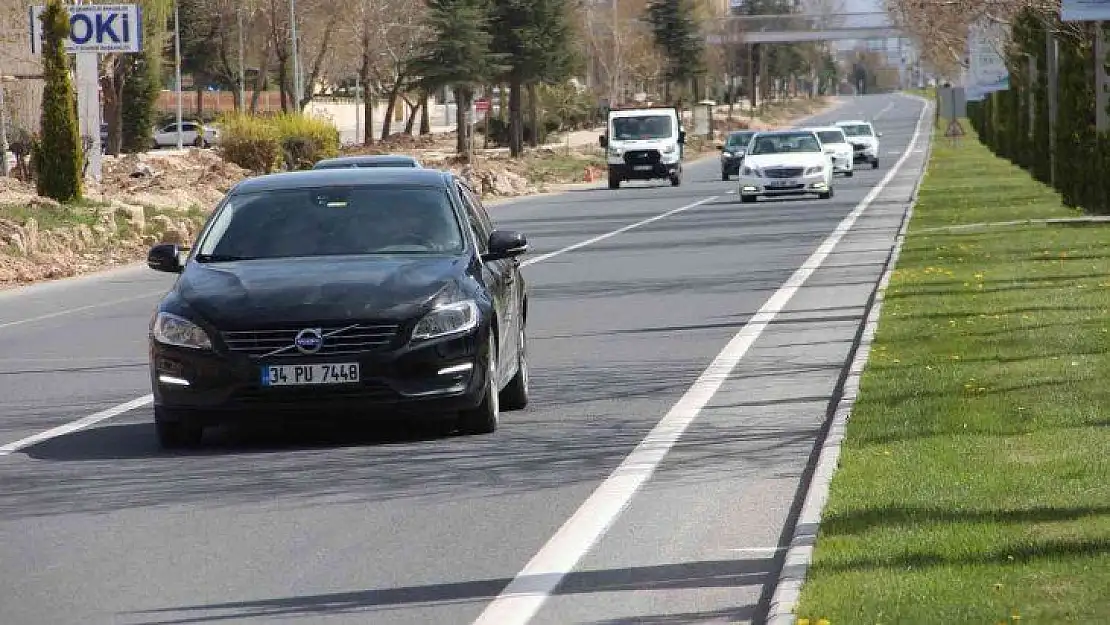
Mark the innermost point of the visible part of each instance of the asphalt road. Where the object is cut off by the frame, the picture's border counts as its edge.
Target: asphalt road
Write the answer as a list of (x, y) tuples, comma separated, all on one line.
[(308, 524)]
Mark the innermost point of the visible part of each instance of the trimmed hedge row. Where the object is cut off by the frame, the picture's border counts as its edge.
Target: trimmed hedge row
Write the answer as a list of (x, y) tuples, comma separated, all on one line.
[(1080, 154)]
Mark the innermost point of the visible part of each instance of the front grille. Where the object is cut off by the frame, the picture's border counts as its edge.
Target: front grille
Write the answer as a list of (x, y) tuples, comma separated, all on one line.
[(858, 147), (367, 390), (783, 172), (642, 157), (338, 340)]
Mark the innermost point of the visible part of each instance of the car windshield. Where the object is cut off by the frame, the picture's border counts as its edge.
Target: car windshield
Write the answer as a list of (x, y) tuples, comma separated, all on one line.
[(831, 136), (785, 144), (642, 127), (330, 221), (740, 139), (857, 130)]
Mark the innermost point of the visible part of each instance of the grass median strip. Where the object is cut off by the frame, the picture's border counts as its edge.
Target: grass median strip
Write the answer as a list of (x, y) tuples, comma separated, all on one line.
[(973, 484)]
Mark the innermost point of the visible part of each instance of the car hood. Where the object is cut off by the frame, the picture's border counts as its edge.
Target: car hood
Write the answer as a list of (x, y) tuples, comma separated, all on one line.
[(248, 294), (807, 159), (868, 141)]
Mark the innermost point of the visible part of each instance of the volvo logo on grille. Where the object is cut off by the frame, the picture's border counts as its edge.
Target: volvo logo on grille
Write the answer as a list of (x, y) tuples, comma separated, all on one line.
[(309, 340)]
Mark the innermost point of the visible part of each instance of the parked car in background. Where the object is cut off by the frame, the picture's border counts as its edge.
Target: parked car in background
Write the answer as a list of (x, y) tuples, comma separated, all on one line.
[(192, 133), (369, 160), (732, 152)]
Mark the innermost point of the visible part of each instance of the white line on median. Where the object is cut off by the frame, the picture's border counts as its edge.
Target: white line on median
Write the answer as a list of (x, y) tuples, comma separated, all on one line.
[(527, 592), (602, 237), (74, 426), (115, 411), (68, 311)]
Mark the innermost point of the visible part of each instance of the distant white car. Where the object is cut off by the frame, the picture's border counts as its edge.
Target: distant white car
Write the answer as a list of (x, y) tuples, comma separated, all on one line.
[(192, 133), (865, 141), (837, 147), (784, 163)]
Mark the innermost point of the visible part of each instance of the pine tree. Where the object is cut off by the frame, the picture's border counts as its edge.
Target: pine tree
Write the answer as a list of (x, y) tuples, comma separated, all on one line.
[(678, 37), (58, 154), (458, 56)]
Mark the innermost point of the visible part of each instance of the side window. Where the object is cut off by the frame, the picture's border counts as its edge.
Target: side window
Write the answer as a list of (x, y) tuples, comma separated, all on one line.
[(481, 233)]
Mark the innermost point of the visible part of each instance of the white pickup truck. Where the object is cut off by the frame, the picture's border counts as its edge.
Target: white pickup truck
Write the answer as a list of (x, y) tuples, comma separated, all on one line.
[(644, 144)]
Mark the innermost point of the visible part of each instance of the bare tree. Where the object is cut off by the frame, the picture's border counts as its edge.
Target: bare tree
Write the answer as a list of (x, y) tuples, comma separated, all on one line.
[(318, 22)]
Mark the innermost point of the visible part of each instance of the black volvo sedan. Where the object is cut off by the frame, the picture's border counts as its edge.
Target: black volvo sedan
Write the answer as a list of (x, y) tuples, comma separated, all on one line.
[(347, 291)]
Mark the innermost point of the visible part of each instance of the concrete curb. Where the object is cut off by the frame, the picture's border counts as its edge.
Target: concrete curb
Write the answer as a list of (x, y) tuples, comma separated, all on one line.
[(799, 554)]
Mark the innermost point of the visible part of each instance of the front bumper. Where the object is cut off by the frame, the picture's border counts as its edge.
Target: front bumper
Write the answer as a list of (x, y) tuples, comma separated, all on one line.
[(731, 164), (217, 386), (650, 171), (774, 187), (864, 153)]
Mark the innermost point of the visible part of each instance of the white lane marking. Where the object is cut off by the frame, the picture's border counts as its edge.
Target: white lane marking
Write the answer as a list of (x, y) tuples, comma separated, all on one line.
[(74, 426), (602, 237), (68, 311), (115, 411), (880, 114), (531, 587)]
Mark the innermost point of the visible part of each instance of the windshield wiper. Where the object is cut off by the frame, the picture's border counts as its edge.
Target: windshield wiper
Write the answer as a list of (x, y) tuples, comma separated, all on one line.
[(220, 258)]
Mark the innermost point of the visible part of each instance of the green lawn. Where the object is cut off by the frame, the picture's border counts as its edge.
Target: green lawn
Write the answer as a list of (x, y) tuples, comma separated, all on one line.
[(974, 484)]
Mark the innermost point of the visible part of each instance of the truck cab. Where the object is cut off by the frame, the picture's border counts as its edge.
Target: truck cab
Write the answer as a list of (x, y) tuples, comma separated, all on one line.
[(643, 144)]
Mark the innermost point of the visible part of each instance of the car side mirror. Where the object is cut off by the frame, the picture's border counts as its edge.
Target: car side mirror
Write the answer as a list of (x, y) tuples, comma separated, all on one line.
[(165, 257), (720, 148), (880, 134), (506, 244), (603, 141), (681, 137)]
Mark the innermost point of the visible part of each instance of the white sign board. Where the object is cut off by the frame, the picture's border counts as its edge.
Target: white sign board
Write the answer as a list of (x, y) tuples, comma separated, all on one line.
[(96, 28), (1084, 10), (987, 70)]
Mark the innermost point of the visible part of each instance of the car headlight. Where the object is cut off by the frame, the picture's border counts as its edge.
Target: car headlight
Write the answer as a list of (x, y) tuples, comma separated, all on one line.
[(446, 320), (670, 149), (615, 152), (750, 171), (812, 171), (173, 330)]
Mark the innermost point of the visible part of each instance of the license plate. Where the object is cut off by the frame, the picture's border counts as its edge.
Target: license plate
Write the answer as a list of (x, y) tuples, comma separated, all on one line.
[(781, 183), (310, 374), (643, 168)]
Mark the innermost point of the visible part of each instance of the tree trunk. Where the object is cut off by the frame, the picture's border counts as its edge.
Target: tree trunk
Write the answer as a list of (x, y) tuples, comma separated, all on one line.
[(200, 99), (283, 83), (391, 106), (410, 124), (534, 115), (425, 118), (260, 81), (516, 115), (112, 89), (462, 105), (367, 100)]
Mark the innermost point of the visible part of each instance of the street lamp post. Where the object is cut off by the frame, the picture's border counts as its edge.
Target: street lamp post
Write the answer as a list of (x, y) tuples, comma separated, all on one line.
[(242, 71), (177, 65)]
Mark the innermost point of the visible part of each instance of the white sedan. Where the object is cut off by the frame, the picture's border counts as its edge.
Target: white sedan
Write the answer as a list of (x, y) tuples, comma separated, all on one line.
[(837, 147), (786, 163)]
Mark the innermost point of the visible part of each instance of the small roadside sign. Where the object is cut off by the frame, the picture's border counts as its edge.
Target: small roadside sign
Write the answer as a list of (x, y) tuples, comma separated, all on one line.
[(481, 105), (955, 130)]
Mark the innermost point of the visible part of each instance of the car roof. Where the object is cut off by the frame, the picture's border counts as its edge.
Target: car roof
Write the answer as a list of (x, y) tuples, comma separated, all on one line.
[(396, 176), (341, 161), (826, 129), (747, 131), (845, 122), (791, 131)]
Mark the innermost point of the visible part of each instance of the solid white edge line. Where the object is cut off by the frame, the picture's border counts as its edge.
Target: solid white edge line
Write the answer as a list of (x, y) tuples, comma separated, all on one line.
[(798, 556), (530, 588), (74, 426), (115, 411)]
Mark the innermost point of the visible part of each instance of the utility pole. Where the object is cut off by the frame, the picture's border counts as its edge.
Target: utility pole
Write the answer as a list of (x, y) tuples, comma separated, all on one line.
[(614, 87), (298, 86), (3, 131), (177, 64), (242, 69)]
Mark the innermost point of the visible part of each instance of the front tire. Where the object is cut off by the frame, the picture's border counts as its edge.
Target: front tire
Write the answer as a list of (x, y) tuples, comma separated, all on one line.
[(176, 431), (849, 173), (747, 199), (515, 395), (724, 176), (484, 418), (875, 164)]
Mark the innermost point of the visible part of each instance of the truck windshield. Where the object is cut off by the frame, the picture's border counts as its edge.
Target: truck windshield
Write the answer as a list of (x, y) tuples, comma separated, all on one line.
[(643, 127)]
